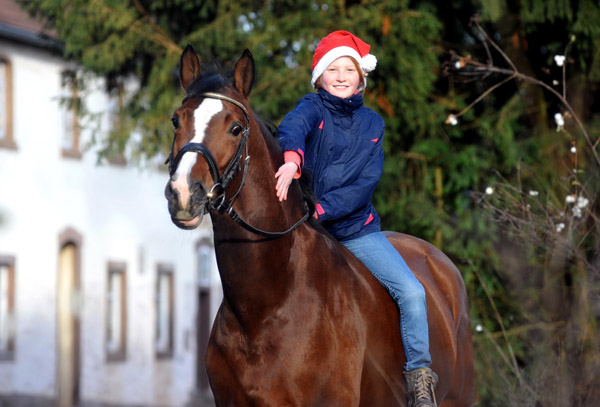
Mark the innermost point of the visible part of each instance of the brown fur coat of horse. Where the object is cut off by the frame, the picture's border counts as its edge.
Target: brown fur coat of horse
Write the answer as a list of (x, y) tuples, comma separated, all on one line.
[(303, 322)]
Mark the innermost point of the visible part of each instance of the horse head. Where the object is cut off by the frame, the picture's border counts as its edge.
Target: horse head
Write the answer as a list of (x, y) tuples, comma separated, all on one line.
[(211, 126)]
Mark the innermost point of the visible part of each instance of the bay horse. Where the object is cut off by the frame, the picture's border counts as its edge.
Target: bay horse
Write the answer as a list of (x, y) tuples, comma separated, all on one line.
[(302, 321)]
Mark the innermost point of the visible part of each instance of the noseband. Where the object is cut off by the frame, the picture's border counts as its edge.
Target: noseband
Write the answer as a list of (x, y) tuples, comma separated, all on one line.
[(216, 196)]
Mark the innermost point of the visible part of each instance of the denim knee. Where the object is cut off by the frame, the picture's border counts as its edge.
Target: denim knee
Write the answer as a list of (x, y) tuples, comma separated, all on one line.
[(413, 300), (407, 288)]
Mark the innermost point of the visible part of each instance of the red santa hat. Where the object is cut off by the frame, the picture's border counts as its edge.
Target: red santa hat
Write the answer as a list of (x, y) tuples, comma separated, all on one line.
[(342, 44)]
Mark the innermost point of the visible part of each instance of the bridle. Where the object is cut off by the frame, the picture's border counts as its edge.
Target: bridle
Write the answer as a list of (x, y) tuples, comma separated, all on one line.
[(216, 200)]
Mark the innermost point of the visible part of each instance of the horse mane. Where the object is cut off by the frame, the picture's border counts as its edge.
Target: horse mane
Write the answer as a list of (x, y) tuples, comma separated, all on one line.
[(305, 181), (310, 198)]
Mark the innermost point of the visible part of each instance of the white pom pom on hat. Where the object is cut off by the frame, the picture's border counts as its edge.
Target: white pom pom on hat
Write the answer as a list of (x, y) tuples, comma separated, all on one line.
[(369, 62), (342, 44)]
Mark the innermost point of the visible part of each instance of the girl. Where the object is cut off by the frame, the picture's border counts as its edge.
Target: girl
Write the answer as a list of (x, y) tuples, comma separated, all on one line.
[(340, 141)]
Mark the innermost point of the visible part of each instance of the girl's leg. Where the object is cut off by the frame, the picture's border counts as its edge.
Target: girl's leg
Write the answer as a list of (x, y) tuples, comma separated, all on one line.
[(388, 266)]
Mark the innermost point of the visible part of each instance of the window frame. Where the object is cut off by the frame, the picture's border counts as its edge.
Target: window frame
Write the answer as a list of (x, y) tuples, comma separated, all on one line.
[(165, 271), (204, 261), (115, 109), (71, 113), (8, 354), (120, 353), (8, 140)]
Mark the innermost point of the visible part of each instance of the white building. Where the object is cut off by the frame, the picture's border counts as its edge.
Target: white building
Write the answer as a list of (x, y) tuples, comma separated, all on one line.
[(103, 301)]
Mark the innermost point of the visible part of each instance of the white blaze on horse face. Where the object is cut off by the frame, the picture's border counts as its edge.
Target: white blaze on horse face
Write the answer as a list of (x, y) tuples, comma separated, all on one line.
[(202, 116)]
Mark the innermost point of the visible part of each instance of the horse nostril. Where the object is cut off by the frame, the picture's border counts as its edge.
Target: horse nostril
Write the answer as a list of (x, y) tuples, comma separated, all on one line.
[(196, 188), (169, 191), (197, 192)]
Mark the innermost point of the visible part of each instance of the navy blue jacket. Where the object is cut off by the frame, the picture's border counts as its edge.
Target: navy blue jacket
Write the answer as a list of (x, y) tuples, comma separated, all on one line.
[(340, 141)]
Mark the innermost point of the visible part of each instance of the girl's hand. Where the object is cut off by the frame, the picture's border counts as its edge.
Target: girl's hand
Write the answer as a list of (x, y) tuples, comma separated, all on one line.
[(284, 176)]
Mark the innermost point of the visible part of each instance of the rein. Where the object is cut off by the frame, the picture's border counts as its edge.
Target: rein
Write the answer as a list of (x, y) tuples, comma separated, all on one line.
[(216, 196)]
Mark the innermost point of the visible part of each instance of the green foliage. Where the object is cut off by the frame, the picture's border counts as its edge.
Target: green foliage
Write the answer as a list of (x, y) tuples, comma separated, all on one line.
[(548, 228)]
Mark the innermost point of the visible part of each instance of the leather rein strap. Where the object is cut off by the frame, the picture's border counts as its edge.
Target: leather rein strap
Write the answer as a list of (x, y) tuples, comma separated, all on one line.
[(216, 196)]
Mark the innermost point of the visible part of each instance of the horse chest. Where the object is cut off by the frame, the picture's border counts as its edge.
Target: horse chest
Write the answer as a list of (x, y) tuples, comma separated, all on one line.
[(277, 365)]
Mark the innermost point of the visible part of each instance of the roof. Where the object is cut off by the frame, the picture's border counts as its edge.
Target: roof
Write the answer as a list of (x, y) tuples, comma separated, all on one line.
[(18, 26)]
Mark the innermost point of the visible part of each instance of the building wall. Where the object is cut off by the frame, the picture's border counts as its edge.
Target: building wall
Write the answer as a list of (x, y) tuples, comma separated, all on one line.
[(121, 215)]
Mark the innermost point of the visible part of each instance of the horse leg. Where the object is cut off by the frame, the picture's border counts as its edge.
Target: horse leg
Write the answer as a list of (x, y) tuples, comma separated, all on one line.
[(223, 382)]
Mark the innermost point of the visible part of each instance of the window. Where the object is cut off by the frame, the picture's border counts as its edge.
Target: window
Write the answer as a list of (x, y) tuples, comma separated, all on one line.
[(7, 311), (115, 150), (70, 115), (116, 312), (205, 254), (6, 136), (164, 312)]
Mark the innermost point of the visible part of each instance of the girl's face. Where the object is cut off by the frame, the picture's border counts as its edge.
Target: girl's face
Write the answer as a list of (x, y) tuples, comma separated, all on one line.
[(341, 78)]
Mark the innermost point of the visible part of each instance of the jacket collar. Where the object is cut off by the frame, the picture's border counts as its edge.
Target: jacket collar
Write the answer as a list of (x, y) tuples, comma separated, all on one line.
[(339, 105)]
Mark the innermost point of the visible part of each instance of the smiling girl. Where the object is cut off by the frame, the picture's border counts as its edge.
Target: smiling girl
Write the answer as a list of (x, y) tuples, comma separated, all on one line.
[(339, 139)]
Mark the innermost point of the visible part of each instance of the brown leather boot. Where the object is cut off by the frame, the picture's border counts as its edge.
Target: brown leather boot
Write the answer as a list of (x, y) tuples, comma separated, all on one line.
[(420, 387)]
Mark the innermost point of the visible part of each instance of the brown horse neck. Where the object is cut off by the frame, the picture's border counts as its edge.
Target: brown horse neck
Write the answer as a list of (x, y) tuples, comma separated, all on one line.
[(257, 202), (256, 272)]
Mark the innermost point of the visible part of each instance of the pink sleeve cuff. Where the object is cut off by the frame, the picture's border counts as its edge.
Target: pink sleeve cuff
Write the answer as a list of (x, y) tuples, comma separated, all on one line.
[(319, 209), (293, 157)]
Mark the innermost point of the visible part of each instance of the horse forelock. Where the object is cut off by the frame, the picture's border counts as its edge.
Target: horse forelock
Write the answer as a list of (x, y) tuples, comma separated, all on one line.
[(210, 81)]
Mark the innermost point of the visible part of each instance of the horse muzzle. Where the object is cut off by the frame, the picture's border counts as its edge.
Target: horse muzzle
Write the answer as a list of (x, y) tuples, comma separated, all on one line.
[(186, 206)]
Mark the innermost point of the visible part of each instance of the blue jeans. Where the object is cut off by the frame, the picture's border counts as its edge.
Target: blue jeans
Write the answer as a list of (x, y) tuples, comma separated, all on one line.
[(388, 266)]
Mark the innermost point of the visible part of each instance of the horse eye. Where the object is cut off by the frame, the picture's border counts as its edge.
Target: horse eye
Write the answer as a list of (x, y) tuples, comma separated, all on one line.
[(175, 121), (236, 130)]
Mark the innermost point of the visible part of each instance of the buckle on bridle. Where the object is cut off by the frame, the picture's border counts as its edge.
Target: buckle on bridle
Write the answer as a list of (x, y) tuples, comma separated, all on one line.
[(211, 194)]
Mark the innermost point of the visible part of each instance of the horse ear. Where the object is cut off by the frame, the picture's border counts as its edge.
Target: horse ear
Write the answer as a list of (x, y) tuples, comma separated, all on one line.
[(244, 73), (189, 67)]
